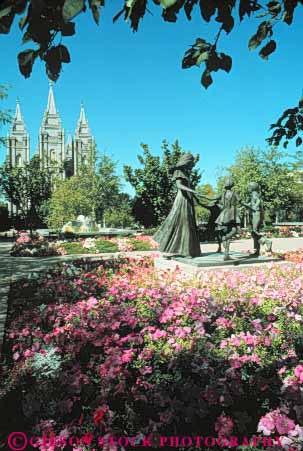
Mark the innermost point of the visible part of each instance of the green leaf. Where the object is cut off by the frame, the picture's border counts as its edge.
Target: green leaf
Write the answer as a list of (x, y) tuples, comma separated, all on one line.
[(207, 9), (72, 8), (53, 62), (64, 54), (274, 7), (4, 11), (263, 31), (167, 3), (95, 6), (26, 37), (68, 29), (228, 23), (244, 8), (202, 57), (206, 79), (269, 48), (6, 23), (188, 7), (226, 62), (298, 141), (26, 60)]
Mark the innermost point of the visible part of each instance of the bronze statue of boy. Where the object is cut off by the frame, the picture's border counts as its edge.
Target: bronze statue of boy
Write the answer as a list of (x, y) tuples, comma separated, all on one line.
[(255, 207)]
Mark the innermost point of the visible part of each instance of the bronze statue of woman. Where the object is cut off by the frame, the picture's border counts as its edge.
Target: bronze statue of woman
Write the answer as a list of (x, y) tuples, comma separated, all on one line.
[(179, 234)]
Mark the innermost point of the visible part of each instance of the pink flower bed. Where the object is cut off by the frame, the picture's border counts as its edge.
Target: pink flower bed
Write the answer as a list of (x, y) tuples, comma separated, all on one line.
[(37, 246), (33, 246), (124, 349), (292, 256)]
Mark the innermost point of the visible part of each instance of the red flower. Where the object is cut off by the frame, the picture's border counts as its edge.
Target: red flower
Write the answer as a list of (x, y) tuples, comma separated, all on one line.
[(99, 414)]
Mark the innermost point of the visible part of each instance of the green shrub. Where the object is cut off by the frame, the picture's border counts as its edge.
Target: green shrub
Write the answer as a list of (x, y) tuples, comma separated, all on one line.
[(74, 248), (140, 245), (106, 246)]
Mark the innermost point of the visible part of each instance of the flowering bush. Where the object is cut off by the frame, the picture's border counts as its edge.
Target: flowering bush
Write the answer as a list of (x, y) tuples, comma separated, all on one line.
[(292, 256), (35, 246), (221, 354), (100, 245), (25, 246), (290, 231)]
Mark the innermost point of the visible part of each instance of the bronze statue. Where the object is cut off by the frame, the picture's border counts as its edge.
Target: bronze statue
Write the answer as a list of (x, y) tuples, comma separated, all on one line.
[(255, 206), (179, 234), (228, 221), (212, 234)]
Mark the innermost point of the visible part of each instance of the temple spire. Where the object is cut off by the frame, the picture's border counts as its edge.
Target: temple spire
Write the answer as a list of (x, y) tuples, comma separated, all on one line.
[(51, 106), (82, 118), (18, 122), (69, 140), (18, 116)]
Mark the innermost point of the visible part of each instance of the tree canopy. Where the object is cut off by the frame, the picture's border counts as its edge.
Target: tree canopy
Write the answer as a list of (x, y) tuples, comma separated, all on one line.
[(89, 193), (155, 190), (28, 188), (45, 23), (5, 115), (276, 175)]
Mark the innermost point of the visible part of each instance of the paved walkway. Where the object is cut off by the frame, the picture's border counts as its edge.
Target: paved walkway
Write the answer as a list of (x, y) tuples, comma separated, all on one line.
[(14, 268)]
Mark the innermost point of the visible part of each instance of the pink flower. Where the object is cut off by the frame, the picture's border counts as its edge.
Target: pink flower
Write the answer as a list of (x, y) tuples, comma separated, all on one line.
[(127, 356), (284, 424), (146, 370), (266, 424), (223, 322), (224, 426), (23, 238), (299, 372), (16, 356), (158, 334), (275, 420)]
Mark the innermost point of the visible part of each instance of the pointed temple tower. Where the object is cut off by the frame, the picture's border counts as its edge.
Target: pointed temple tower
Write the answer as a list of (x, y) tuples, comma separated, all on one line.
[(51, 137), (18, 141), (17, 146), (52, 150), (84, 143)]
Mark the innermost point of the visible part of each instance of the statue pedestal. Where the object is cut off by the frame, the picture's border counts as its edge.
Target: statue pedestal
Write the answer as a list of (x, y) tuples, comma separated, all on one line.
[(212, 260)]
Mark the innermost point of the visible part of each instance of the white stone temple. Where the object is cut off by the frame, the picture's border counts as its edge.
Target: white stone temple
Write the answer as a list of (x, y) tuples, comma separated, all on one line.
[(54, 149)]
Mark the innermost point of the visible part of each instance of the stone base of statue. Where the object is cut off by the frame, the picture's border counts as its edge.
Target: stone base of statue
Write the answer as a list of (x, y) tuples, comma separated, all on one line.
[(214, 259)]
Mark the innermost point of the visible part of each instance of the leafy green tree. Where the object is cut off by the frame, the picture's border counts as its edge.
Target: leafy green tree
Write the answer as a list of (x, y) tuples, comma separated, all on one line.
[(28, 188), (5, 115), (155, 191), (5, 222), (107, 186), (89, 193), (120, 215), (71, 198), (47, 23), (271, 171), (202, 213)]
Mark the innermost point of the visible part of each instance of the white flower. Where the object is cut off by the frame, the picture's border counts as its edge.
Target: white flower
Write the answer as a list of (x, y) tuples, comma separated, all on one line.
[(89, 243)]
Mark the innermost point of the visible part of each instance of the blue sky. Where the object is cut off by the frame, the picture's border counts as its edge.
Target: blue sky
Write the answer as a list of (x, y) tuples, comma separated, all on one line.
[(134, 89)]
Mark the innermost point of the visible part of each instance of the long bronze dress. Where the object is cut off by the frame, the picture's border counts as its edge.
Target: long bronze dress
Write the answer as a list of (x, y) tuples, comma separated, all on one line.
[(229, 216), (179, 234)]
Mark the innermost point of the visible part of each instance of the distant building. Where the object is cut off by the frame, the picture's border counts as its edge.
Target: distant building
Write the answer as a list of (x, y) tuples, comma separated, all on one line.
[(68, 155)]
